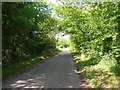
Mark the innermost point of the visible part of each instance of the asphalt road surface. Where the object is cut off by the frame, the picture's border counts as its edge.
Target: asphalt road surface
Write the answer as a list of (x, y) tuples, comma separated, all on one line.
[(57, 72)]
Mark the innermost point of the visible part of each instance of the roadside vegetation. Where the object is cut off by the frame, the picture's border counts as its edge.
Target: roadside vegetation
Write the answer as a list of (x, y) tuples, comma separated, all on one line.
[(100, 72), (28, 61), (28, 34), (29, 30), (63, 43), (94, 30)]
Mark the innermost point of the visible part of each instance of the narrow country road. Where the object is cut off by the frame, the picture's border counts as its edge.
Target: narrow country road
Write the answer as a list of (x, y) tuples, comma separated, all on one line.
[(57, 72)]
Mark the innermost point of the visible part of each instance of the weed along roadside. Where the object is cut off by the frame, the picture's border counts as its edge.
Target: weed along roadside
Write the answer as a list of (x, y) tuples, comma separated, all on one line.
[(84, 83), (96, 74), (21, 67)]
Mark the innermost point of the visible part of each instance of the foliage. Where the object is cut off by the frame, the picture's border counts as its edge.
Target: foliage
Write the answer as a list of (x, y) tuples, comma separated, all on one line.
[(16, 68), (28, 29), (92, 26), (94, 31), (99, 75), (63, 43)]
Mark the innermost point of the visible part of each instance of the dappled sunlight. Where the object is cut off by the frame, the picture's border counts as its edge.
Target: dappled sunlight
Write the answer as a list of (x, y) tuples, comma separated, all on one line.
[(34, 32), (100, 77), (78, 72), (97, 70), (59, 69), (70, 86), (21, 81), (38, 58), (64, 52), (29, 83)]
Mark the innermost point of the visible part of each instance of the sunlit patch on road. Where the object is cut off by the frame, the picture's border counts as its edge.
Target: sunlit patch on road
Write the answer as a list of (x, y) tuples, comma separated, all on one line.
[(56, 72)]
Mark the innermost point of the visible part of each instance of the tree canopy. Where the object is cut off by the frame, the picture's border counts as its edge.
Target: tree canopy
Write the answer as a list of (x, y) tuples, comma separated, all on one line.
[(92, 26), (28, 28)]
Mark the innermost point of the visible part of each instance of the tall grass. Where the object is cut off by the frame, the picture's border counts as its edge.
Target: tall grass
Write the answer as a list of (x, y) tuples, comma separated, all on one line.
[(102, 71)]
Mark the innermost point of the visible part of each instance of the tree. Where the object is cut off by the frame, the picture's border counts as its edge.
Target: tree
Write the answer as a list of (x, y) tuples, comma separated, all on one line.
[(92, 26), (28, 29)]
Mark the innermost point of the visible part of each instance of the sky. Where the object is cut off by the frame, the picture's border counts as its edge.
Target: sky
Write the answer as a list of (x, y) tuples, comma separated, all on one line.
[(60, 35), (52, 1)]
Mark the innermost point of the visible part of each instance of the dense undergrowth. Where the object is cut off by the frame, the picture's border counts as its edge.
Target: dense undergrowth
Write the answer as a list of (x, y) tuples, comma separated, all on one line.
[(100, 71)]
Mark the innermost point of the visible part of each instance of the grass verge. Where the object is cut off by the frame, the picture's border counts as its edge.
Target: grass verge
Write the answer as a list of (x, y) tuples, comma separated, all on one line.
[(14, 68), (98, 70)]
